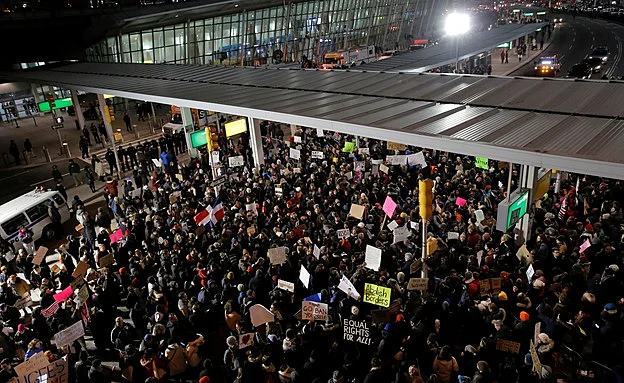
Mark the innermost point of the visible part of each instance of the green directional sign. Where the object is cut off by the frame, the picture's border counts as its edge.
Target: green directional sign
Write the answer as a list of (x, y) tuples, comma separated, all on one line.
[(482, 163), (58, 104)]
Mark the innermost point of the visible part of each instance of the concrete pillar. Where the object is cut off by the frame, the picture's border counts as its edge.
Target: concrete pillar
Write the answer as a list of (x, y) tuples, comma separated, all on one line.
[(189, 126), (77, 108), (35, 92), (255, 141), (109, 131)]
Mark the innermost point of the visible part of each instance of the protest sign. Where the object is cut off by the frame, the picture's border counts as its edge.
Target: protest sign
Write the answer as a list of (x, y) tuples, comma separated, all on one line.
[(246, 340), (359, 166), (80, 270), (251, 207), (415, 266), (317, 154), (260, 315), (24, 301), (496, 285), (383, 168), (314, 311), (69, 335), (347, 287), (479, 215), (507, 346), (396, 160), (418, 284), (39, 255), (585, 245), (393, 225), (35, 295), (343, 233), (319, 132), (460, 201), (537, 363), (530, 272), (294, 154), (285, 285), (348, 147), (297, 139), (452, 235), (356, 331), (417, 159), (523, 253), (485, 287), (34, 363), (236, 161), (107, 260), (372, 257), (63, 295), (316, 252), (401, 234), (389, 206), (156, 162), (364, 150), (83, 293), (536, 331), (116, 236), (357, 211), (395, 146), (277, 255), (55, 372), (76, 283), (304, 276), (377, 295), (482, 163)]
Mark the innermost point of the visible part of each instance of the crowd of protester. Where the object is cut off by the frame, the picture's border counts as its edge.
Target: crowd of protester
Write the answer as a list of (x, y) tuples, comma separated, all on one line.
[(177, 298)]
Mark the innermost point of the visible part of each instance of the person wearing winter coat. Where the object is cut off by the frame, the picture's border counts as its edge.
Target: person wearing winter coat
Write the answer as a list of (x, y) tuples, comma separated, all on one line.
[(483, 374), (445, 365)]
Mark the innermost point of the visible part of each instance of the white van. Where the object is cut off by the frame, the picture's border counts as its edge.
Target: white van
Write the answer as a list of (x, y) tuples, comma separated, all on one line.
[(31, 210)]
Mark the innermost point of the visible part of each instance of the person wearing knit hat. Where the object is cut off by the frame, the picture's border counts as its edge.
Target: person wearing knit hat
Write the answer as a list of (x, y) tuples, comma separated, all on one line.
[(502, 296), (204, 379), (524, 316)]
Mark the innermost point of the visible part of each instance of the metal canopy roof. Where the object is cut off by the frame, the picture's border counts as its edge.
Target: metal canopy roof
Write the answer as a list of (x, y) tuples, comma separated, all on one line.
[(444, 53), (528, 121)]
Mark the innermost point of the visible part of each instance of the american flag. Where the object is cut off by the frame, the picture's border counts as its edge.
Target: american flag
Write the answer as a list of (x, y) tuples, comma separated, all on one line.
[(50, 310)]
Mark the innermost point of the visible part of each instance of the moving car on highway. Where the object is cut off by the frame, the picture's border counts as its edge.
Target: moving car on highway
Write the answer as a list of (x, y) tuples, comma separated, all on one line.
[(547, 66), (601, 53), (580, 70), (595, 63)]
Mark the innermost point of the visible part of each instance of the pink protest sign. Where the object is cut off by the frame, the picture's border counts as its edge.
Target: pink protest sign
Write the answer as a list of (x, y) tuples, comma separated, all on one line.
[(460, 201), (116, 236), (389, 206), (585, 245), (63, 295)]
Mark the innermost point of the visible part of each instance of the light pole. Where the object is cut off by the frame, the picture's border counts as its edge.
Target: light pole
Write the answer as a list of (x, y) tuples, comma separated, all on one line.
[(456, 25)]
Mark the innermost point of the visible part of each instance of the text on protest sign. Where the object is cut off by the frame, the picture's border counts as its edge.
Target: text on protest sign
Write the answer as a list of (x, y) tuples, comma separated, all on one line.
[(317, 154), (34, 363), (372, 257), (236, 161), (356, 331), (55, 372), (294, 154), (347, 287), (417, 284), (314, 311), (377, 295), (70, 334), (284, 285), (343, 233), (277, 255), (401, 234)]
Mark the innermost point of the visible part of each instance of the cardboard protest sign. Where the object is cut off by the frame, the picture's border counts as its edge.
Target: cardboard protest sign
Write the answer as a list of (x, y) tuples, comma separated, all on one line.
[(260, 315), (63, 295), (415, 266), (389, 206), (314, 311), (364, 150), (107, 260), (304, 276), (507, 346), (347, 287), (295, 154), (40, 255), (24, 301), (285, 285), (356, 331), (536, 331), (485, 287), (356, 211), (277, 255), (523, 253), (76, 283), (381, 316), (372, 257), (236, 161), (69, 335), (418, 284), (80, 270), (537, 363), (246, 340), (395, 146), (34, 363), (343, 233), (383, 168), (83, 293), (496, 285), (377, 295)]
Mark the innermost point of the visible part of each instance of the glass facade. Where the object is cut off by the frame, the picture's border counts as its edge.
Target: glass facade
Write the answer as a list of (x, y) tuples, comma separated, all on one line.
[(269, 35)]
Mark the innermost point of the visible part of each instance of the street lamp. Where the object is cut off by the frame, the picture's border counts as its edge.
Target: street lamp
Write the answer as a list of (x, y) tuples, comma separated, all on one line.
[(456, 25)]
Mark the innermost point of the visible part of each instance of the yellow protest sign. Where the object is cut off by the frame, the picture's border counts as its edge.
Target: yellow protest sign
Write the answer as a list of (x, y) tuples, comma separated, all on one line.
[(377, 295)]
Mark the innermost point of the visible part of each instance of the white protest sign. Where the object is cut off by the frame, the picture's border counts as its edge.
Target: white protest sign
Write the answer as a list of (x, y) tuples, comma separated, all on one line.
[(452, 235), (343, 233), (319, 132), (479, 215), (316, 252), (401, 234), (24, 301), (251, 207), (373, 257), (260, 315), (236, 161), (417, 159), (69, 335), (285, 285), (246, 340), (347, 287), (393, 225), (317, 155), (297, 139), (356, 331), (295, 154), (314, 311), (34, 363), (277, 255), (530, 272), (156, 162), (359, 166), (414, 225), (304, 276), (383, 168), (364, 150)]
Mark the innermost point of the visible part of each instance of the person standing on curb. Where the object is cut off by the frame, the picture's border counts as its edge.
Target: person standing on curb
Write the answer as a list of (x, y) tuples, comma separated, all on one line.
[(74, 171)]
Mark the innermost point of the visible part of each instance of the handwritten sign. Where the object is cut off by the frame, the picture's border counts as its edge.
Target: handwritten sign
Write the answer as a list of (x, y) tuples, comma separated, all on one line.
[(507, 346), (415, 266), (69, 335), (343, 233), (418, 284), (285, 285), (395, 146), (401, 234), (295, 154), (417, 159), (277, 255), (372, 257), (383, 168), (40, 255), (236, 161), (389, 206), (496, 285), (537, 363), (63, 295), (246, 340), (349, 147), (482, 163), (317, 154), (529, 273), (316, 252), (377, 295), (34, 363), (107, 260), (393, 225), (356, 331), (80, 270), (356, 211), (314, 311), (260, 315)]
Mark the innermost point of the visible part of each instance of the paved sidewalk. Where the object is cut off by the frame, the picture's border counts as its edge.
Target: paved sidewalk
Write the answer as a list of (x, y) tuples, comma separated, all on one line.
[(499, 69)]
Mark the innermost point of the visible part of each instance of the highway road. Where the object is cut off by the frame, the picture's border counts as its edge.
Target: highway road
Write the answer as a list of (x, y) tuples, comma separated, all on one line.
[(574, 40)]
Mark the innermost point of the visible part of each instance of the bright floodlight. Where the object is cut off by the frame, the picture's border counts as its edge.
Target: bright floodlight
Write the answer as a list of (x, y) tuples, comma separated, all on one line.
[(457, 24)]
